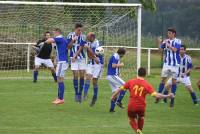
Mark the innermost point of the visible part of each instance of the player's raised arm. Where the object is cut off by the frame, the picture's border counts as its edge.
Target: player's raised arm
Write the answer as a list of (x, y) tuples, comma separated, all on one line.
[(161, 96), (73, 40), (121, 52)]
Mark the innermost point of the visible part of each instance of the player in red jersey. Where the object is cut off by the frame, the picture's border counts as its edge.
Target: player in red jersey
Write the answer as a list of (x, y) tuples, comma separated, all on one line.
[(138, 89)]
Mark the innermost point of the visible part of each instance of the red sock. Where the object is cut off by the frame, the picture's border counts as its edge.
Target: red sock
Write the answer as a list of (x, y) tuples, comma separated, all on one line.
[(134, 124), (140, 122)]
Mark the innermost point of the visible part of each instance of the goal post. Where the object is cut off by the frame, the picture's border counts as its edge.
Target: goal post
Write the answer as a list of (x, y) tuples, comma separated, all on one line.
[(22, 24)]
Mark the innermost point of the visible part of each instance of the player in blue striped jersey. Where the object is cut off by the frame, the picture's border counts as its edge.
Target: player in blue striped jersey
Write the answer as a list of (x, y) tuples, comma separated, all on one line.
[(171, 61), (184, 74), (113, 71), (62, 61), (78, 60), (94, 68)]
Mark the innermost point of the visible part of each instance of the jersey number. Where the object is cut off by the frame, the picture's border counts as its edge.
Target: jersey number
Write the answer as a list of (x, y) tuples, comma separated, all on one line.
[(138, 90)]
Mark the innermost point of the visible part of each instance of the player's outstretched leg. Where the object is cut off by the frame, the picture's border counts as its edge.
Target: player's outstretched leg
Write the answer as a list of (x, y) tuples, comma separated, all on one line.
[(95, 86), (192, 93), (35, 74), (119, 99)]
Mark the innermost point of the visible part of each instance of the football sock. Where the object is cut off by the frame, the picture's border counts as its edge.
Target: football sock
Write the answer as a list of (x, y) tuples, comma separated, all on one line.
[(95, 91), (161, 87), (86, 86), (134, 124), (174, 92), (75, 82), (61, 88), (140, 123), (194, 98), (54, 77), (165, 93), (81, 84), (121, 96), (112, 105), (35, 75)]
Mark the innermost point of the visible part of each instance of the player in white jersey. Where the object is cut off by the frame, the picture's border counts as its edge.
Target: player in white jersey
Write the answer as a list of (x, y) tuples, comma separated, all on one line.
[(184, 74), (78, 60), (171, 61), (94, 68), (113, 71)]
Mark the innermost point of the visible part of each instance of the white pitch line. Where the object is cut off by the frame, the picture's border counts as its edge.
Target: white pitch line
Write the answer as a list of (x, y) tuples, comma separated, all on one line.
[(100, 126)]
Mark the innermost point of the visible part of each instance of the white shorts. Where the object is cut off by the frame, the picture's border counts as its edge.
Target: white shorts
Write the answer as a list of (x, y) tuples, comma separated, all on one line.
[(46, 62), (79, 64), (185, 81), (170, 71), (94, 70), (115, 82), (61, 68)]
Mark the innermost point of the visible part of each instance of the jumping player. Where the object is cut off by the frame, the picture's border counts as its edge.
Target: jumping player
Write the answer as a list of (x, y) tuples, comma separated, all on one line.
[(171, 61), (138, 88), (184, 74), (94, 68)]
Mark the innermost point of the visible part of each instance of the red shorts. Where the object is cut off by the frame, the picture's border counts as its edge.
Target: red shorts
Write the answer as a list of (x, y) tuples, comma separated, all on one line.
[(136, 111)]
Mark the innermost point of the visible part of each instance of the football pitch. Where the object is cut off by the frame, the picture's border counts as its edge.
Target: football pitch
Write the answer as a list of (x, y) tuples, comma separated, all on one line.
[(25, 108)]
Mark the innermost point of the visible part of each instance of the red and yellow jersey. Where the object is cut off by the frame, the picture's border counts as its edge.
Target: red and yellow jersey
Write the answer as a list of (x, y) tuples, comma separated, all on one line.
[(138, 88)]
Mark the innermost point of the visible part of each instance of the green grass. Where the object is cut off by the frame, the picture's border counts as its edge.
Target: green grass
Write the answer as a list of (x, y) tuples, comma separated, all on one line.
[(26, 109)]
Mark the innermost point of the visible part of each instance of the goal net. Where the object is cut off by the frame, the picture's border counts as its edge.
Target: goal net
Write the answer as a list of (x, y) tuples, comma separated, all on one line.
[(23, 24)]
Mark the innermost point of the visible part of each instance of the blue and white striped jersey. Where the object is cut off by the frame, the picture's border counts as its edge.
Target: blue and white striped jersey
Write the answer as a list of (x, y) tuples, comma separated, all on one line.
[(61, 48), (79, 42), (172, 58), (93, 45), (185, 64), (116, 60)]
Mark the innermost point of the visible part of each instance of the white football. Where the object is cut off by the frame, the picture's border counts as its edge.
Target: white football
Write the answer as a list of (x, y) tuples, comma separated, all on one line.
[(99, 51)]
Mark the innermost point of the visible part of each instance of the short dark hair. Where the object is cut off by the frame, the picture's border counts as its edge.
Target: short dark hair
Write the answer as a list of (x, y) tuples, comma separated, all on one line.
[(171, 29), (184, 46), (142, 72), (47, 32), (58, 30), (78, 25), (121, 51)]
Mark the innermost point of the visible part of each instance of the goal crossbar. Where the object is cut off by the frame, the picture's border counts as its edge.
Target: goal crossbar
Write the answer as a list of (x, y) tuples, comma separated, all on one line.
[(72, 3)]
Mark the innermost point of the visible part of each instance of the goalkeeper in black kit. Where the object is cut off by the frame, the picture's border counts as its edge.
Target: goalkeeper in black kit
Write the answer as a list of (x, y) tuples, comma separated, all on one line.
[(43, 53)]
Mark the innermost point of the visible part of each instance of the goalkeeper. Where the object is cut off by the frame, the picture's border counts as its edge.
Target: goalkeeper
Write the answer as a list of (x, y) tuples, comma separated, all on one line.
[(43, 52)]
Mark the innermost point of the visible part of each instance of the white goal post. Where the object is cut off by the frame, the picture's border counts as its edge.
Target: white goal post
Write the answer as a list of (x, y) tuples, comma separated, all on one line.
[(22, 24)]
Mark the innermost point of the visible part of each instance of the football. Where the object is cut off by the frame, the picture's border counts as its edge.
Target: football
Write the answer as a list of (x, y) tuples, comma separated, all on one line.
[(99, 51)]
